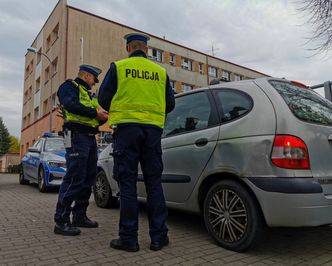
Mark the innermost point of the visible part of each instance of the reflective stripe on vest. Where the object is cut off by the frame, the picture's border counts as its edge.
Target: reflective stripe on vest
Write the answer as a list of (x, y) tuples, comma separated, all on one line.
[(85, 100), (141, 93)]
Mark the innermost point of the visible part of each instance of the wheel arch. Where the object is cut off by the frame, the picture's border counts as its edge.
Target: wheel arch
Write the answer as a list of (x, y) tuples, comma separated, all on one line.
[(214, 178), (43, 165)]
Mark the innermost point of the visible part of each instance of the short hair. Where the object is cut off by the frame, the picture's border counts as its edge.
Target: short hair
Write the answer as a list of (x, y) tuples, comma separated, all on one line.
[(81, 73), (137, 45)]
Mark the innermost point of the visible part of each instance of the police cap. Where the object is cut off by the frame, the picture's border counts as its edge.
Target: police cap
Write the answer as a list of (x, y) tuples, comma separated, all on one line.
[(136, 37), (92, 70)]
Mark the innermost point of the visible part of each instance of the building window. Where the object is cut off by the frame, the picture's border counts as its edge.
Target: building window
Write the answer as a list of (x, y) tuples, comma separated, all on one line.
[(225, 75), (237, 77), (36, 113), (186, 87), (28, 119), (39, 55), (48, 43), (25, 99), (200, 68), (187, 64), (156, 54), (47, 74), (172, 59), (53, 100), (55, 33), (212, 71), (29, 93), (45, 107), (37, 84), (54, 66), (172, 82)]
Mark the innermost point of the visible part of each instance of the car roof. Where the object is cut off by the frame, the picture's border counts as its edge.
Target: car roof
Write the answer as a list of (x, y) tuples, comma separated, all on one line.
[(230, 84)]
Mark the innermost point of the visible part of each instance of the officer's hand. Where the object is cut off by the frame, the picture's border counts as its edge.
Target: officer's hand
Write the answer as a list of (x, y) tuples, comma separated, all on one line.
[(102, 116)]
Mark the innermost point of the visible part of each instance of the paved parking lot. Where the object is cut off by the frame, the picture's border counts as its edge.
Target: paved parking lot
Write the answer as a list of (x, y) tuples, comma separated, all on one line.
[(26, 238)]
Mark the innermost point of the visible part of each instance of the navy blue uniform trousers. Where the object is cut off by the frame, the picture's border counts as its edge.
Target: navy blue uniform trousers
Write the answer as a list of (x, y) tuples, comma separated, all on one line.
[(132, 145), (81, 160)]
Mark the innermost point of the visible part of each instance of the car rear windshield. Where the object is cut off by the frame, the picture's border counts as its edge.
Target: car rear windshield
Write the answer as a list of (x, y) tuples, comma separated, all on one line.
[(305, 103)]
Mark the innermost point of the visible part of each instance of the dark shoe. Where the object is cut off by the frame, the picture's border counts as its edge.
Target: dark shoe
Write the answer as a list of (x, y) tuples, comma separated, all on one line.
[(118, 244), (85, 222), (66, 230), (159, 245)]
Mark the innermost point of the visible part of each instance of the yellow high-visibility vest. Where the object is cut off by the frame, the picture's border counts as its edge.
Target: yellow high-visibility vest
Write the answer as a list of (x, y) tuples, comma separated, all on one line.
[(87, 101), (141, 93)]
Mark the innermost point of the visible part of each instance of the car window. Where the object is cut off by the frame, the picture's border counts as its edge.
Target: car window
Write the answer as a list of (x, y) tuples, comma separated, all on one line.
[(38, 144), (54, 145), (191, 112), (234, 104), (305, 103)]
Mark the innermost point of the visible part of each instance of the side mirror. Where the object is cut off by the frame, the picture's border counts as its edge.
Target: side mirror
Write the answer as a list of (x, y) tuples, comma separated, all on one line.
[(108, 138), (34, 149)]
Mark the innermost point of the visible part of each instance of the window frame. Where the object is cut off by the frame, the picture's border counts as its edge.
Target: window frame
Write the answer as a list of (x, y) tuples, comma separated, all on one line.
[(186, 85), (214, 119), (200, 68), (219, 104), (210, 73), (155, 58), (223, 76), (189, 65), (173, 57)]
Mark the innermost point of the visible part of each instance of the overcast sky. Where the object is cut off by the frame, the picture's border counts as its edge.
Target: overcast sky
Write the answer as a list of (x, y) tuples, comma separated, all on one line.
[(268, 36)]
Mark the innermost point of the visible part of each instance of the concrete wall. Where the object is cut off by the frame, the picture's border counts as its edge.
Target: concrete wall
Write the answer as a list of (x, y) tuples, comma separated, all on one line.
[(7, 160)]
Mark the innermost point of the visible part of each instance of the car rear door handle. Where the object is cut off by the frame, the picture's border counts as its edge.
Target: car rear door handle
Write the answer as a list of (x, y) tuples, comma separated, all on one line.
[(201, 142)]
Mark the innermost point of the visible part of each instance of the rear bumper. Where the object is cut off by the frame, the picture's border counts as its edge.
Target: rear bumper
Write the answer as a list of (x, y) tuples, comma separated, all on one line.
[(292, 202)]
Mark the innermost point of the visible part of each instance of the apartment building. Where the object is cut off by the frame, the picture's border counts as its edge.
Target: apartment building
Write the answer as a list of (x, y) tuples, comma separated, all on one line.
[(71, 37)]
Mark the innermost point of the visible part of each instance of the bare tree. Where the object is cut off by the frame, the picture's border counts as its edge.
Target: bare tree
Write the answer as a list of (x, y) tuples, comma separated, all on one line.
[(320, 16)]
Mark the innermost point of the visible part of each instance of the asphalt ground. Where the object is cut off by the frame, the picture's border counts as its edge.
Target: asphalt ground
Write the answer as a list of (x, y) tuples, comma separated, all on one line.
[(27, 238)]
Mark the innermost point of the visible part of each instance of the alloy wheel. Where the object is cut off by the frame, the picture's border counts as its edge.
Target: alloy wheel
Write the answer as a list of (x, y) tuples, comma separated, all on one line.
[(101, 190), (227, 215)]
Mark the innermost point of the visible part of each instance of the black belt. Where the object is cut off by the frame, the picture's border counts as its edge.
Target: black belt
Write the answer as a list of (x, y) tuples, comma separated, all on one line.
[(83, 133)]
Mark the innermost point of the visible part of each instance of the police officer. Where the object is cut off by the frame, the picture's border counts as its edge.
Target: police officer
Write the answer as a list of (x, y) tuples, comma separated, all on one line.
[(82, 117), (138, 94)]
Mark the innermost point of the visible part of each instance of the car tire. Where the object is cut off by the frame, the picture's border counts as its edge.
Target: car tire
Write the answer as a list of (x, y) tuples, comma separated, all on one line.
[(232, 216), (102, 192), (41, 180), (21, 178)]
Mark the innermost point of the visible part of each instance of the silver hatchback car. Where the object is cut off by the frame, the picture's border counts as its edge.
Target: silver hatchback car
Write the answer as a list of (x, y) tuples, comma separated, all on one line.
[(246, 155)]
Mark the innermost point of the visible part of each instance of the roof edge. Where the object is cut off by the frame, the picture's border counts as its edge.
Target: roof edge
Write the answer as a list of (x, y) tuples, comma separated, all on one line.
[(156, 37)]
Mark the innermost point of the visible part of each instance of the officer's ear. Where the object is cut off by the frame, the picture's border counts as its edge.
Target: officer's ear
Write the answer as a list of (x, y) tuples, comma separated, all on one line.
[(127, 48)]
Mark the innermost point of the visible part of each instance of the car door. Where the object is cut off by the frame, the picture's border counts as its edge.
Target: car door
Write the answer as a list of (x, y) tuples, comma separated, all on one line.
[(27, 161), (189, 138), (35, 158)]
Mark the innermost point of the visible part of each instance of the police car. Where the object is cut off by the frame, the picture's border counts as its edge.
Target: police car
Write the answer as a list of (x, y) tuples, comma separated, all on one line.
[(44, 163)]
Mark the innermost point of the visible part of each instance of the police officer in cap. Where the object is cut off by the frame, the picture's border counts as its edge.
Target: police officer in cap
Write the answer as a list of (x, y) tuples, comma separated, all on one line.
[(138, 94), (82, 117)]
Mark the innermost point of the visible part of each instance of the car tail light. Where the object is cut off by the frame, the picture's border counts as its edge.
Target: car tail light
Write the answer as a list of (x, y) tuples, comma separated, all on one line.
[(290, 152), (299, 84)]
